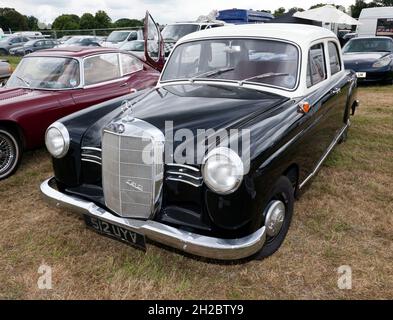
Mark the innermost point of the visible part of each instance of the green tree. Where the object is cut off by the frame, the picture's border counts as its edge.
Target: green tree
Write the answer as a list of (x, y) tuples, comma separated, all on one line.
[(103, 20), (128, 23), (66, 22), (279, 12), (295, 9), (359, 6), (12, 19), (318, 5), (383, 3), (87, 21), (32, 23)]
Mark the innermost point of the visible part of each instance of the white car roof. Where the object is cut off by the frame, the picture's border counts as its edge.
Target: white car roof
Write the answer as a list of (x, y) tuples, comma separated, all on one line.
[(197, 23), (297, 33)]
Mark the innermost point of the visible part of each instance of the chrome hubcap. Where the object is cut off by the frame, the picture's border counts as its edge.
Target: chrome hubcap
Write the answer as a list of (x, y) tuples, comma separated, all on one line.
[(275, 218), (7, 153)]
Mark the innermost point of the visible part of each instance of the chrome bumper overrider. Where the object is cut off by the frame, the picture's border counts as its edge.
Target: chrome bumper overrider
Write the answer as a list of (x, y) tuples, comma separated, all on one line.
[(215, 248)]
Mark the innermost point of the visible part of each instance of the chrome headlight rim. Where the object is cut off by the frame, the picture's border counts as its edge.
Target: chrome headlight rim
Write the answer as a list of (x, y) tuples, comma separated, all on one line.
[(236, 160), (65, 135)]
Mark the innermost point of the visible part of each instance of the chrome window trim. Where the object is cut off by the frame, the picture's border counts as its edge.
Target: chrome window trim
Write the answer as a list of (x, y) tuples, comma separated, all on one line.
[(106, 81)]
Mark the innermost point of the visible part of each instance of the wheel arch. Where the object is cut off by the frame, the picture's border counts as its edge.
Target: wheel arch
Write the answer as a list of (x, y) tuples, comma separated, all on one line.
[(15, 128), (292, 173)]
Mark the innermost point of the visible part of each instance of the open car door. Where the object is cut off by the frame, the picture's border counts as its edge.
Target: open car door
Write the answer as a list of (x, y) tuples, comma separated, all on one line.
[(154, 44)]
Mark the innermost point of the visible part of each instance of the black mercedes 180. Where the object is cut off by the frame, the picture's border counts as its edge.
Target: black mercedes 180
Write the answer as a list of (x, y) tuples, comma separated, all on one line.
[(211, 160)]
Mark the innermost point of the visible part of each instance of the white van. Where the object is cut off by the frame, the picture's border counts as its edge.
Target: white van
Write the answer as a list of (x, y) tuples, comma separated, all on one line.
[(376, 22)]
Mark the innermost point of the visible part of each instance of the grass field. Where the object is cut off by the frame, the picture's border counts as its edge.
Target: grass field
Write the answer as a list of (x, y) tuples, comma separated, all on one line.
[(13, 60), (344, 218)]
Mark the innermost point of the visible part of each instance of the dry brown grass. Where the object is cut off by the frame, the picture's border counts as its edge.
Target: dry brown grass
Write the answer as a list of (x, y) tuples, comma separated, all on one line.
[(344, 218)]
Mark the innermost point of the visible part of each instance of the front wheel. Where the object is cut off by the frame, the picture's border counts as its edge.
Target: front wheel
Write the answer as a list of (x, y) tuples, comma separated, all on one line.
[(10, 153), (277, 216)]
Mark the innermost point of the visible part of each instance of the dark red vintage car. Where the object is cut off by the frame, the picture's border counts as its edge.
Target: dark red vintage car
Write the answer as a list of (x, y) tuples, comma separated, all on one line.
[(51, 84)]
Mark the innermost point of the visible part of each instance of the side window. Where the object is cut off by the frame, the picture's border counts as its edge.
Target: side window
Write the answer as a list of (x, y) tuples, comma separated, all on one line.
[(101, 68), (133, 36), (316, 65), (334, 58), (130, 64)]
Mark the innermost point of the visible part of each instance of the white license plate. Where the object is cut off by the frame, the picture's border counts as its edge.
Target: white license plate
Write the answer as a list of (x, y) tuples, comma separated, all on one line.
[(361, 74)]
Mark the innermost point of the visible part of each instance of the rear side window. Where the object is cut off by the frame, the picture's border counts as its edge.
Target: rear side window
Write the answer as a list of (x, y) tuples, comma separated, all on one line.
[(316, 68), (101, 68), (334, 58), (130, 64)]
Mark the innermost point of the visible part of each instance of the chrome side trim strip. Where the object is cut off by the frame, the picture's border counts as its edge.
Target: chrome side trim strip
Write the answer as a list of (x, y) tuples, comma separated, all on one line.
[(183, 166), (91, 161), (90, 156), (184, 174), (92, 149), (196, 185), (319, 164), (215, 248)]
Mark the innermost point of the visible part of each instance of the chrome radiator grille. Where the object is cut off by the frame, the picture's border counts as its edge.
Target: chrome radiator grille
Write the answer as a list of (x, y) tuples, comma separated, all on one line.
[(132, 168)]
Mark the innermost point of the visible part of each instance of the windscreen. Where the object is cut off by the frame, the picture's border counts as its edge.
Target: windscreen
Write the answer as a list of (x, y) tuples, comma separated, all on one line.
[(268, 62)]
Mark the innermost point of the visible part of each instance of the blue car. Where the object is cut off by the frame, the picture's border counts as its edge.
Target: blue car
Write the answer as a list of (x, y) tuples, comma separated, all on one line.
[(371, 58)]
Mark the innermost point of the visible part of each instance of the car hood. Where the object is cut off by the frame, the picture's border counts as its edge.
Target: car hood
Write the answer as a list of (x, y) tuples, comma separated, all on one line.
[(364, 57), (112, 44), (194, 107), (20, 95)]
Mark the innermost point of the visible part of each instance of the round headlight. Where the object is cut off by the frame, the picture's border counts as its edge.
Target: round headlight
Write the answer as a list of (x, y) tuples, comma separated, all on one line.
[(57, 140), (223, 170)]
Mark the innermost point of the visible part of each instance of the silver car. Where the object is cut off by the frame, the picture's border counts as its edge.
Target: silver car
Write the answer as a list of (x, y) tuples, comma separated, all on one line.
[(10, 42), (5, 71)]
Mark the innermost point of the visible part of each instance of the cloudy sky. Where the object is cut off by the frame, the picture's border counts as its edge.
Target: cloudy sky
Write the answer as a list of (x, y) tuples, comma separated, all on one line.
[(164, 11)]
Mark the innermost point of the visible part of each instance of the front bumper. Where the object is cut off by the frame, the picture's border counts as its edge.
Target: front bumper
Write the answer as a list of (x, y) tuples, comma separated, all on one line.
[(374, 74), (214, 248)]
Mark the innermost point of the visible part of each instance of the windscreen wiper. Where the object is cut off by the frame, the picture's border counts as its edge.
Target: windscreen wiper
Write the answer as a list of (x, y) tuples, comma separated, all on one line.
[(24, 81), (265, 75), (211, 73)]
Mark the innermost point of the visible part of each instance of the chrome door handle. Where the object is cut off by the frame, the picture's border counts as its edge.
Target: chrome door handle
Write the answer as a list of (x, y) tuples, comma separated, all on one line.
[(124, 85), (336, 91)]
